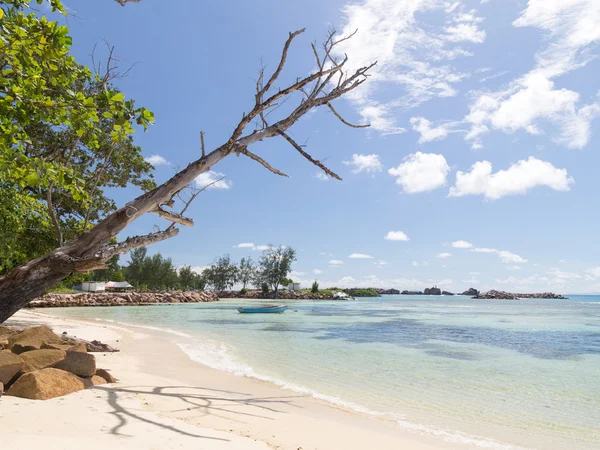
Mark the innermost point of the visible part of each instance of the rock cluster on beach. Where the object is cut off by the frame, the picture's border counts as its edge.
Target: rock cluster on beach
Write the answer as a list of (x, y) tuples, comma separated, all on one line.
[(121, 299), (37, 364), (501, 295)]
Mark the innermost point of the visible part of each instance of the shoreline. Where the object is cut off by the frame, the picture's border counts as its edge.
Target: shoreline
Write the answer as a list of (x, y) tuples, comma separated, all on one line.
[(175, 387)]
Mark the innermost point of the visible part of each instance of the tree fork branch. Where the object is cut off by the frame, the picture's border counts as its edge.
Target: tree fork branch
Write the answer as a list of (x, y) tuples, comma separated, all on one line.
[(134, 242), (262, 162), (344, 121), (317, 163), (173, 216)]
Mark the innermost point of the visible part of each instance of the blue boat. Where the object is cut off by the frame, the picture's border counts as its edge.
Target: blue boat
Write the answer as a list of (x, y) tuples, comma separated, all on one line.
[(263, 310)]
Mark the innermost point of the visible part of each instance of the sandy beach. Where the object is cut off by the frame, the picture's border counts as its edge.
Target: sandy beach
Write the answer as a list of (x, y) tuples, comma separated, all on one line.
[(166, 400)]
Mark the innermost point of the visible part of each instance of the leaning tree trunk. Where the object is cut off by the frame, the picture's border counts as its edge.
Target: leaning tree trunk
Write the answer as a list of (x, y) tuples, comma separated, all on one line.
[(92, 249)]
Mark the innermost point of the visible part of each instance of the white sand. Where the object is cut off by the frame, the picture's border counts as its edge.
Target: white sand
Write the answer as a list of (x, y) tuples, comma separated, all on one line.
[(164, 400)]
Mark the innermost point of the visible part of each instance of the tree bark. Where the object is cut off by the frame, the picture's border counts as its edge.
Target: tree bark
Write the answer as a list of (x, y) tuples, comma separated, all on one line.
[(92, 249)]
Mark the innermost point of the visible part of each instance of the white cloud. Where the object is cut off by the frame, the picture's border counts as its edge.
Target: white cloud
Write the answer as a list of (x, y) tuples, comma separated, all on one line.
[(420, 263), (562, 275), (516, 180), (396, 236), (336, 262), (571, 27), (505, 256), (360, 256), (345, 280), (509, 257), (381, 263), (157, 160), (414, 59), (430, 133), (244, 245), (592, 273), (378, 116), (421, 172), (444, 255), (206, 178), (367, 163), (462, 244), (528, 101), (469, 32), (321, 176), (317, 271), (513, 267), (198, 269), (251, 246)]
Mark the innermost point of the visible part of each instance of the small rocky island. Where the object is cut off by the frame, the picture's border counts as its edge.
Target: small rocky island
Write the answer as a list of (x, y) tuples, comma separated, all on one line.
[(501, 295), (471, 292), (428, 291)]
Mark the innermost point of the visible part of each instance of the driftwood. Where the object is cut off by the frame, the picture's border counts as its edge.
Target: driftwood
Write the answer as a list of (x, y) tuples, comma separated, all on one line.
[(91, 346), (93, 249)]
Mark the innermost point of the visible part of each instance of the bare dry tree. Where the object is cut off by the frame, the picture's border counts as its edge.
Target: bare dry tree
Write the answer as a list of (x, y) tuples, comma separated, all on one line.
[(92, 250)]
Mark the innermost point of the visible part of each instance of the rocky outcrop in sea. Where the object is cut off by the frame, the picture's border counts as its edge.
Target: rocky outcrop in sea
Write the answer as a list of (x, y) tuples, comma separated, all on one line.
[(472, 292), (120, 299), (412, 293), (447, 293), (283, 295), (496, 295), (388, 291), (501, 295), (433, 291)]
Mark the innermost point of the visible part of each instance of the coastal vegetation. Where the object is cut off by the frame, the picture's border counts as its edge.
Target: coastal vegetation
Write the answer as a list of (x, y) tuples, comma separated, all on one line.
[(65, 135)]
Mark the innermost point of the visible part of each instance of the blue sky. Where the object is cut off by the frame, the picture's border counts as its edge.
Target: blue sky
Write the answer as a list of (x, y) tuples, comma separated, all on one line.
[(479, 169)]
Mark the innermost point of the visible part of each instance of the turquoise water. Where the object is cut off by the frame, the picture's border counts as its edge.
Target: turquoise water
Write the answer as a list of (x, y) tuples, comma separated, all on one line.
[(494, 373)]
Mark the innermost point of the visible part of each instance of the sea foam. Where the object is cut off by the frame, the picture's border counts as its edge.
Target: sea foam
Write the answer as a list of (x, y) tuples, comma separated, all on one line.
[(218, 355)]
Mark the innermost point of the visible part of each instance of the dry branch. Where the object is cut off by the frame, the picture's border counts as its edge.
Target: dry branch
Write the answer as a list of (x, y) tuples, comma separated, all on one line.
[(344, 121), (258, 159), (319, 164), (173, 216), (92, 249)]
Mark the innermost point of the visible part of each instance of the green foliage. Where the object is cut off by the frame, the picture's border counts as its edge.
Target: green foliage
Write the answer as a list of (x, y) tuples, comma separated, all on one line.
[(264, 287), (150, 272), (286, 282), (243, 291), (370, 292), (112, 272), (246, 271), (315, 287), (188, 279), (274, 266), (222, 274), (63, 131)]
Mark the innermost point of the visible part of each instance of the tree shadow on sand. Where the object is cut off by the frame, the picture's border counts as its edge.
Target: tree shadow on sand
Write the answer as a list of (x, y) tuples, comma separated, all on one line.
[(213, 402)]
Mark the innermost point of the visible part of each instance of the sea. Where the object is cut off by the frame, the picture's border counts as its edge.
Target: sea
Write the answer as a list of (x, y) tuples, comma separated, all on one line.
[(491, 373)]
